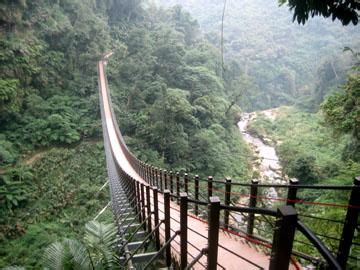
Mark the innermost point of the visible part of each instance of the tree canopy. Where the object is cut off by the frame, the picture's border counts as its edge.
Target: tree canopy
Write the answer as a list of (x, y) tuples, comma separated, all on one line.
[(345, 11)]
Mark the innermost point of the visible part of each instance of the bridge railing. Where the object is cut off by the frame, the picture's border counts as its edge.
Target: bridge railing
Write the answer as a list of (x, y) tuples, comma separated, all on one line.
[(177, 183), (286, 224), (186, 190)]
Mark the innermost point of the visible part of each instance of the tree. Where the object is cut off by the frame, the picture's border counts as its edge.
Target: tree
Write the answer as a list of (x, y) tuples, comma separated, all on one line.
[(342, 109), (346, 11), (123, 10)]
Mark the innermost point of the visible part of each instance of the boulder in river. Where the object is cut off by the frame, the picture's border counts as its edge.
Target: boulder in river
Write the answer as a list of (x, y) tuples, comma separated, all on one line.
[(266, 141), (275, 168)]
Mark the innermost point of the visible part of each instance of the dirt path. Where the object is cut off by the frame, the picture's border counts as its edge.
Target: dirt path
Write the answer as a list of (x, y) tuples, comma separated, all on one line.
[(29, 160)]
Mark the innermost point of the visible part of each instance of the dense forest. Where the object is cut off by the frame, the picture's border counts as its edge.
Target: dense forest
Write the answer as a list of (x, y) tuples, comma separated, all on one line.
[(177, 103), (278, 62)]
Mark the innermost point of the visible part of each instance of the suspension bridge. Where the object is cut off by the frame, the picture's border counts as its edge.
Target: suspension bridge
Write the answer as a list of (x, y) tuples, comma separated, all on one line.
[(180, 221)]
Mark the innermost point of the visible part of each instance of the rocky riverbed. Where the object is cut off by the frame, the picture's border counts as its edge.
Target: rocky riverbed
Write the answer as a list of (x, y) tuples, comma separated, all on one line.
[(266, 161)]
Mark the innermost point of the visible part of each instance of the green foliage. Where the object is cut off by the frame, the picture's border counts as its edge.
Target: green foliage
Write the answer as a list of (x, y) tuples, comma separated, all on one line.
[(59, 194), (8, 153), (346, 12), (48, 54), (9, 97), (342, 112), (14, 188)]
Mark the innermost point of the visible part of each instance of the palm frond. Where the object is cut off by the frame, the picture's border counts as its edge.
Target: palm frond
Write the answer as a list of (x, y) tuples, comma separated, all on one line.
[(101, 240), (54, 257), (78, 253)]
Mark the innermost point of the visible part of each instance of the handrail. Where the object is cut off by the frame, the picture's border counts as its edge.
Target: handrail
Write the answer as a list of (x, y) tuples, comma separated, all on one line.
[(334, 264), (323, 250), (255, 210)]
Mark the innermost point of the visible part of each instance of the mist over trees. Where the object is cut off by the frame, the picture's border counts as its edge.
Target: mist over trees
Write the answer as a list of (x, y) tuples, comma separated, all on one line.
[(277, 61)]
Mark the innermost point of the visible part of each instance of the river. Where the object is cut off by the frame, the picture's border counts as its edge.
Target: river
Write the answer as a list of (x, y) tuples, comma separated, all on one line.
[(267, 162)]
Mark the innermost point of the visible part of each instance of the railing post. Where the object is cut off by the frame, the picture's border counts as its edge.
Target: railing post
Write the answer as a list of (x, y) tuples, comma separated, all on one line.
[(284, 233), (156, 217), (165, 180), (138, 200), (133, 193), (350, 224), (186, 183), (210, 186), (213, 232), (227, 201), (141, 169), (252, 203), (178, 187), (161, 179), (152, 176), (167, 226), (148, 207), (171, 183), (291, 198), (183, 229), (156, 177), (147, 173), (143, 203), (196, 188)]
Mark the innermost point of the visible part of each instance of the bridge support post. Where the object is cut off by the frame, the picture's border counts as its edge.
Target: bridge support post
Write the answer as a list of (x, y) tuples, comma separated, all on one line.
[(227, 201), (210, 187), (167, 226), (350, 224), (252, 203), (156, 217), (183, 229), (291, 197), (196, 188), (284, 233), (213, 232), (148, 207)]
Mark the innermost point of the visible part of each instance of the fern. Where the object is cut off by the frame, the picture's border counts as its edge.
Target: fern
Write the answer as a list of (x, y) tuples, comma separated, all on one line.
[(79, 255), (101, 240), (54, 257)]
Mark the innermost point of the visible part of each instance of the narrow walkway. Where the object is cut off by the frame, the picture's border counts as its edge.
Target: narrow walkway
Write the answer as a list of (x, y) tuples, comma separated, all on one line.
[(196, 242)]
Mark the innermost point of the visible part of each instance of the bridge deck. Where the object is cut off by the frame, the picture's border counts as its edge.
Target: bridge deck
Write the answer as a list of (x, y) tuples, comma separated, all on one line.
[(225, 259)]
